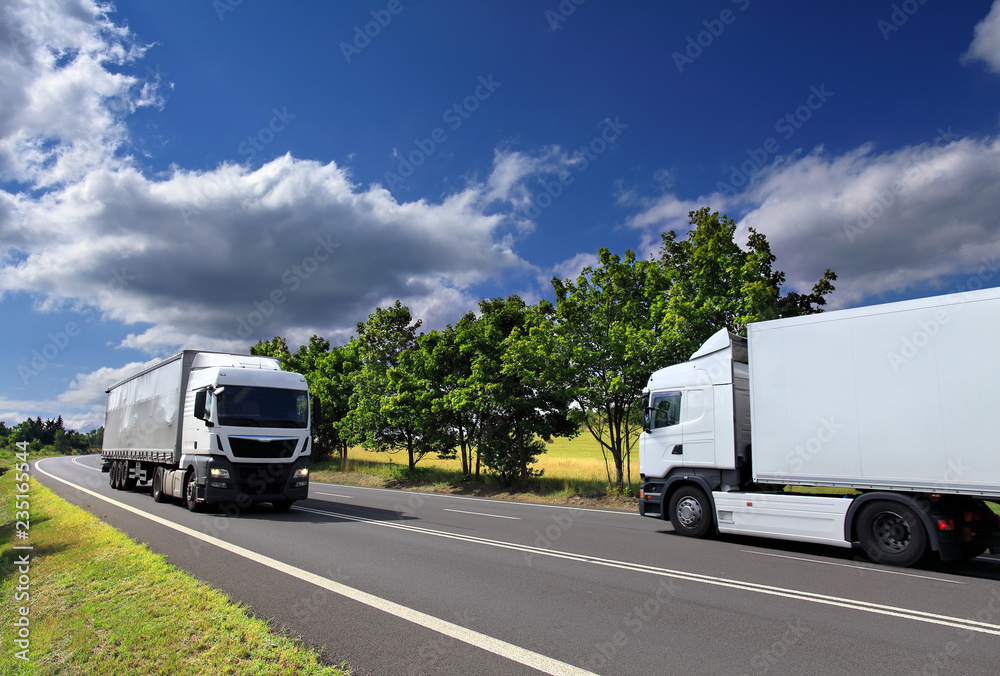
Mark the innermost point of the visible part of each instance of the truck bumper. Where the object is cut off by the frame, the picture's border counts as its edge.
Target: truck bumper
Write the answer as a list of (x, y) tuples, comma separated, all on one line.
[(651, 499), (255, 482)]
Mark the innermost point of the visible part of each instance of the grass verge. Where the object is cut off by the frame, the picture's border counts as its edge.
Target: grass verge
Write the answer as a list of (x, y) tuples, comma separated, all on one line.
[(102, 604)]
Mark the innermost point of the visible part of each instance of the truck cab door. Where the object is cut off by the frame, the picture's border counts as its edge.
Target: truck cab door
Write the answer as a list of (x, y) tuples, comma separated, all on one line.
[(663, 444), (698, 427)]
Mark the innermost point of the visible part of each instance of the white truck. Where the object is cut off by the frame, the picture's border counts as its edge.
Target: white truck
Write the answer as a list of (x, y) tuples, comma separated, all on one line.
[(211, 428), (895, 407)]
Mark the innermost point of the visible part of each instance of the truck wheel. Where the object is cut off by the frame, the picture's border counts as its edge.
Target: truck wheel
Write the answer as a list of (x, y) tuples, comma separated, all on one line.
[(190, 492), (282, 505), (115, 474), (128, 483), (891, 533), (158, 495), (690, 512)]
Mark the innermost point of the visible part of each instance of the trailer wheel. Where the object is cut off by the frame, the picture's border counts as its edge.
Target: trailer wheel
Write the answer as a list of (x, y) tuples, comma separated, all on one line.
[(282, 505), (690, 512), (158, 494), (128, 483), (891, 533), (114, 476), (190, 492)]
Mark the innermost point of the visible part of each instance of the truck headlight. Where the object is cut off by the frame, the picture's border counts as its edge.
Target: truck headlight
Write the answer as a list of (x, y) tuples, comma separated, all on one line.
[(219, 473), (301, 473)]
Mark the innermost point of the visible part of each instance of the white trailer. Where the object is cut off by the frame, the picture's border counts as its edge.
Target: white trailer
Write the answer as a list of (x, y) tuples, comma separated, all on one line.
[(211, 428), (895, 404)]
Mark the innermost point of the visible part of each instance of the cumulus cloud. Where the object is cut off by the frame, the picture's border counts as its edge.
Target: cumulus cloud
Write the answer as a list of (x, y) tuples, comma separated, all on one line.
[(208, 258), (62, 110), (885, 222), (985, 45)]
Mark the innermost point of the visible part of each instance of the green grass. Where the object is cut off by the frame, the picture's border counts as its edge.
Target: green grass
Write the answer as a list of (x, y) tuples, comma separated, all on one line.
[(102, 604)]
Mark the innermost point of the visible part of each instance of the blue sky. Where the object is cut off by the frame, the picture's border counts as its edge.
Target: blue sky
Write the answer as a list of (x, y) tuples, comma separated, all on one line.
[(203, 174)]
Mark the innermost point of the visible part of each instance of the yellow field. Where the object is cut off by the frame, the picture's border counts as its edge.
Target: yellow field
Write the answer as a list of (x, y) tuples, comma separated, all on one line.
[(578, 459)]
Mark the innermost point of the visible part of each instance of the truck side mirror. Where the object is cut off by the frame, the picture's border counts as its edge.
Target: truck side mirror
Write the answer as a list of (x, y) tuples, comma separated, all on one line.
[(646, 418), (315, 410), (200, 399)]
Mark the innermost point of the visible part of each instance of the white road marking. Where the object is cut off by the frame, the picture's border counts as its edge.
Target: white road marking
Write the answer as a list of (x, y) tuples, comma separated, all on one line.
[(76, 461), (335, 495), (812, 597), (850, 565), (506, 650), (495, 516)]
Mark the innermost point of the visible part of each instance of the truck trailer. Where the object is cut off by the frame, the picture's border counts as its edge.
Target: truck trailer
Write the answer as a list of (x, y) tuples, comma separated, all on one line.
[(873, 427), (211, 428)]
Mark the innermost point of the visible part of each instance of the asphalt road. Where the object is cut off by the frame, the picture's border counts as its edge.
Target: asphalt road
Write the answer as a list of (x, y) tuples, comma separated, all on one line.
[(398, 582)]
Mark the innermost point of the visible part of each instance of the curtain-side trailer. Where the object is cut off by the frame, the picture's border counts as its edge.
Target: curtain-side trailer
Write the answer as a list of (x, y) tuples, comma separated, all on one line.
[(888, 413), (211, 428)]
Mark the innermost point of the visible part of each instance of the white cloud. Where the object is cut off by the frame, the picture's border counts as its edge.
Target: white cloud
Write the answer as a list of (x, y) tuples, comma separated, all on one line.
[(62, 109), (208, 258), (572, 267), (884, 222), (82, 404), (985, 45)]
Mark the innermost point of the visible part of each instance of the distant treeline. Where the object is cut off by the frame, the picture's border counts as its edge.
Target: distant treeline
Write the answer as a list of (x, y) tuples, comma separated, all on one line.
[(494, 386), (39, 434)]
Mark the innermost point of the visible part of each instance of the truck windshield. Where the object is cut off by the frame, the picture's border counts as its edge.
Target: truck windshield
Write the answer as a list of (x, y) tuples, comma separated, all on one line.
[(263, 407)]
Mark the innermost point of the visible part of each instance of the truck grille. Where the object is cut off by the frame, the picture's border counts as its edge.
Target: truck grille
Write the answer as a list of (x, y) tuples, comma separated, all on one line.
[(248, 447)]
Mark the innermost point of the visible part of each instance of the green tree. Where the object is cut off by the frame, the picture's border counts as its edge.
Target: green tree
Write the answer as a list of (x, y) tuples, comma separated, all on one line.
[(332, 380), (604, 343), (517, 407), (713, 283), (390, 406)]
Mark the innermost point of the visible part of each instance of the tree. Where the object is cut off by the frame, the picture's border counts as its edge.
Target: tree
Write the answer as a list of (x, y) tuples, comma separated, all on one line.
[(605, 341), (712, 283), (517, 408), (332, 382), (390, 404)]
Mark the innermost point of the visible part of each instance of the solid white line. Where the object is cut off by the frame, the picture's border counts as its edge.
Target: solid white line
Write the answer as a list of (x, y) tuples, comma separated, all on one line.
[(490, 500), (495, 516), (812, 597), (849, 565), (335, 495), (76, 462), (509, 651)]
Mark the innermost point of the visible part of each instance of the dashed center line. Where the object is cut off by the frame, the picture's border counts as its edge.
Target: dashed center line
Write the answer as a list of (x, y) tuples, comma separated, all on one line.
[(495, 516)]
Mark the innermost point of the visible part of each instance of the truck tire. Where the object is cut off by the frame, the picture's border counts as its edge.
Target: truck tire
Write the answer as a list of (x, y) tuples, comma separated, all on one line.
[(891, 533), (158, 494), (128, 483), (190, 491), (690, 512), (115, 474), (282, 505)]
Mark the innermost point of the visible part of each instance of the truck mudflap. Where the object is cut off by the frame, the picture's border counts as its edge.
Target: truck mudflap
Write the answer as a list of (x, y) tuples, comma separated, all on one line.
[(245, 483)]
